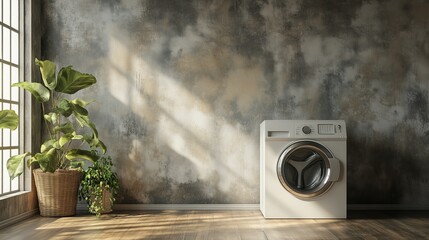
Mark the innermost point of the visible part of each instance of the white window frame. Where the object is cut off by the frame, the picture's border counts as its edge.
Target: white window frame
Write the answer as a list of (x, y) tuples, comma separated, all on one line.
[(23, 180)]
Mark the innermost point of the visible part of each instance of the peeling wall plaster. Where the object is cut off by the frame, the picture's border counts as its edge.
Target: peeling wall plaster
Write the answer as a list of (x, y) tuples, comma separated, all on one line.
[(184, 85)]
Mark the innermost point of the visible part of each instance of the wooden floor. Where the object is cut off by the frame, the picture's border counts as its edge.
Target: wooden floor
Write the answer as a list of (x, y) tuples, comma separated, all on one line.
[(220, 225)]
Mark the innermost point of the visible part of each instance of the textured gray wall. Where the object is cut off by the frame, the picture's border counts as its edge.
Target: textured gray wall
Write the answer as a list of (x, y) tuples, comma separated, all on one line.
[(184, 85)]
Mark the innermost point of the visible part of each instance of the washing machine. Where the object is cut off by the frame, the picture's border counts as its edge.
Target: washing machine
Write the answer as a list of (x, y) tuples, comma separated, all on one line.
[(303, 169)]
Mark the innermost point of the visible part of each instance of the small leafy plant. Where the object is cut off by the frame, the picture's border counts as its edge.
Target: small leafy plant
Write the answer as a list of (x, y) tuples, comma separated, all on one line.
[(73, 138), (98, 178)]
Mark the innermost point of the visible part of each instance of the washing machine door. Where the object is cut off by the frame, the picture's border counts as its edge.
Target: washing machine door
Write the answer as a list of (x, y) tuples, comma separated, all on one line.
[(307, 169)]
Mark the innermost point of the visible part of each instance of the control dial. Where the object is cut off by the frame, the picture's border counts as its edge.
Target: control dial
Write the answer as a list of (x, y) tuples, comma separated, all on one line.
[(306, 130)]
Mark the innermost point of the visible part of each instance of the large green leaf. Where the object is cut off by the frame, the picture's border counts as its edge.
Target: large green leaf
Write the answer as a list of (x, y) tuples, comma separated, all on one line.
[(101, 145), (40, 92), (51, 117), (81, 102), (82, 120), (64, 139), (82, 154), (9, 119), (64, 108), (30, 161), (47, 145), (47, 161), (15, 165), (81, 115), (77, 109), (71, 81), (78, 164), (95, 143), (47, 69), (65, 128), (77, 136)]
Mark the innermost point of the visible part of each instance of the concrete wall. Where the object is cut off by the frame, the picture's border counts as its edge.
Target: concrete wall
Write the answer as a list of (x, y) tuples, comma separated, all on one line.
[(184, 85)]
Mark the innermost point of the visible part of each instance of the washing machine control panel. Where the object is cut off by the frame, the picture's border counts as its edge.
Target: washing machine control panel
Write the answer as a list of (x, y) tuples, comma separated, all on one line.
[(318, 129)]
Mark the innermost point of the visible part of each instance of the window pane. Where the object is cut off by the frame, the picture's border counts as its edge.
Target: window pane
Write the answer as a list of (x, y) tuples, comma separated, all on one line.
[(15, 44), (1, 163), (1, 81), (1, 44), (15, 138), (6, 137), (15, 14), (15, 133), (15, 182), (6, 179), (15, 78), (6, 44), (6, 82), (6, 12), (6, 132)]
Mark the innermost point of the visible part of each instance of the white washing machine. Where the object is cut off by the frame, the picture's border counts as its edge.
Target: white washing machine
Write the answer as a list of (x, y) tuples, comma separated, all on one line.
[(303, 169)]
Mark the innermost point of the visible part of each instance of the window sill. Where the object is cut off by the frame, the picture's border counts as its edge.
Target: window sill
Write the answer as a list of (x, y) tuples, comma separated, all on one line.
[(13, 195)]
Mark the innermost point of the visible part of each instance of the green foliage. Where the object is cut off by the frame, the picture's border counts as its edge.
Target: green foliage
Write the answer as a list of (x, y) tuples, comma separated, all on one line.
[(40, 92), (65, 148), (8, 119), (96, 178), (15, 165), (47, 70), (70, 81)]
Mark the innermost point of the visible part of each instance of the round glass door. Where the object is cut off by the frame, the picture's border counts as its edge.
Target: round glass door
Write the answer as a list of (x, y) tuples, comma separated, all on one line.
[(304, 169)]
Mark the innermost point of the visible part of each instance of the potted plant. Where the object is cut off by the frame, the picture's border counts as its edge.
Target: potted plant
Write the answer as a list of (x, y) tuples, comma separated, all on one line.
[(99, 186), (72, 138)]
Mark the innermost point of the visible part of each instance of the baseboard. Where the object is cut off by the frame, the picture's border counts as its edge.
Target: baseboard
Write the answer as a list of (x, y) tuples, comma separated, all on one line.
[(81, 207), (386, 207), (219, 207), (18, 218)]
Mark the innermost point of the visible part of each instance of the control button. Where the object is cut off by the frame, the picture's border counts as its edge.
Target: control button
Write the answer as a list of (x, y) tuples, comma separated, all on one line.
[(306, 130)]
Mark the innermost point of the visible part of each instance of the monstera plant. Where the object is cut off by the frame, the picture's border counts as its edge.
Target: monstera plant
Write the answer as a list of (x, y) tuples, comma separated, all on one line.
[(72, 137)]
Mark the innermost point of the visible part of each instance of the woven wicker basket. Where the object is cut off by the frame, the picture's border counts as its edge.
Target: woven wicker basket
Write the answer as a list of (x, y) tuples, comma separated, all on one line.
[(57, 192)]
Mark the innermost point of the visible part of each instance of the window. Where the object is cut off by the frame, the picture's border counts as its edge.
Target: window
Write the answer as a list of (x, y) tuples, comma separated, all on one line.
[(11, 71)]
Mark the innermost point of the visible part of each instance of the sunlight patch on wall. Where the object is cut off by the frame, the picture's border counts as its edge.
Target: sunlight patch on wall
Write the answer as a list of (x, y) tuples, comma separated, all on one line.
[(182, 127)]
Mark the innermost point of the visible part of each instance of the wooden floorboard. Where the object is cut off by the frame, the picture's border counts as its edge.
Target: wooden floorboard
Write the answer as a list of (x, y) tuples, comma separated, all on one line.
[(213, 225)]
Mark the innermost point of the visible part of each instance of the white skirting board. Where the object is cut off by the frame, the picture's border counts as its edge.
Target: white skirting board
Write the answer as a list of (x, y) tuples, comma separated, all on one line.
[(18, 218), (220, 207)]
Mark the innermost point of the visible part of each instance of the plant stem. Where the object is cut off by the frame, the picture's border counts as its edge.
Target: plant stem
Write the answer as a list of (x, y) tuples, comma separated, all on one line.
[(46, 122), (63, 154)]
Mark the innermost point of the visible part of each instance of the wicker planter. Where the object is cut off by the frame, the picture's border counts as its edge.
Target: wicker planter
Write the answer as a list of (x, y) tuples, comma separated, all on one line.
[(105, 201), (57, 192), (107, 206)]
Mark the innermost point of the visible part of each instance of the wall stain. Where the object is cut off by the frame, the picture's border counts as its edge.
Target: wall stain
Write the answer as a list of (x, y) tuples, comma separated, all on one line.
[(418, 108)]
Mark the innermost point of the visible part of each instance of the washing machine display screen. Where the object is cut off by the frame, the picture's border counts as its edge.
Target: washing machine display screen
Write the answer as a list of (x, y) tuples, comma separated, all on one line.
[(326, 129)]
